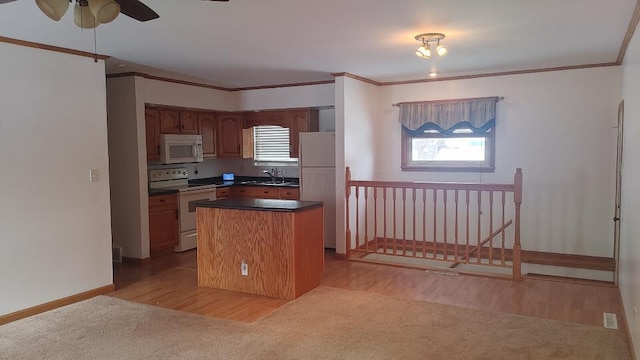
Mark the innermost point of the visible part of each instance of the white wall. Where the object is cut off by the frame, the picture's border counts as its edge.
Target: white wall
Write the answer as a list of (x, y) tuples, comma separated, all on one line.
[(167, 93), (558, 127), (56, 236), (630, 220), (287, 97), (357, 112), (129, 206)]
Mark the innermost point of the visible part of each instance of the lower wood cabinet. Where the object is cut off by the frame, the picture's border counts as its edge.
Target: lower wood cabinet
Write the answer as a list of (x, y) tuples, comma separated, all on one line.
[(266, 192), (222, 193), (163, 222)]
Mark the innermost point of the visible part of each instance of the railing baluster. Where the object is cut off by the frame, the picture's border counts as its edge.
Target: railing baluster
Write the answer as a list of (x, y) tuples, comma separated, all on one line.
[(347, 194), (357, 218), (502, 248), (384, 217), (413, 224), (424, 222), (394, 221), (466, 251), (491, 227), (444, 241), (404, 222), (435, 212), (479, 251), (366, 218), (455, 246), (375, 219)]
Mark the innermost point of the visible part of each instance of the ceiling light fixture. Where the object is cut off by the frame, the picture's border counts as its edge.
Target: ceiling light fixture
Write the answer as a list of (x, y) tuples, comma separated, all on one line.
[(424, 51), (87, 14)]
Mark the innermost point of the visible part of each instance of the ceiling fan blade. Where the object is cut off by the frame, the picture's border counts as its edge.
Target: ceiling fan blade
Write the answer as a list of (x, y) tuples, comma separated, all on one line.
[(136, 10), (6, 1)]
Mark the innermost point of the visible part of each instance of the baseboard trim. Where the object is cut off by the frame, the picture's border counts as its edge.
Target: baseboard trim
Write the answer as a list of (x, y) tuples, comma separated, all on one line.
[(565, 279), (5, 319)]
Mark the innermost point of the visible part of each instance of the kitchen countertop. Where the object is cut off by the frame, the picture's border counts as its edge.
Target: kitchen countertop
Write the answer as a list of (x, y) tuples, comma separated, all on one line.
[(260, 204), (239, 181)]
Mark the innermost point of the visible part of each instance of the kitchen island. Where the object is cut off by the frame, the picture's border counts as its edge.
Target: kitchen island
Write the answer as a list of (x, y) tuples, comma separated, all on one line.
[(260, 246)]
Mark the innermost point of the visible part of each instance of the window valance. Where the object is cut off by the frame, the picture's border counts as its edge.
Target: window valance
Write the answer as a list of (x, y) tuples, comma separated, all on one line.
[(445, 116)]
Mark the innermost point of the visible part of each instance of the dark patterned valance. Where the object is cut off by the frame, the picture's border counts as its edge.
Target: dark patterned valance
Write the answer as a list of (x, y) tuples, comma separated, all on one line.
[(445, 116)]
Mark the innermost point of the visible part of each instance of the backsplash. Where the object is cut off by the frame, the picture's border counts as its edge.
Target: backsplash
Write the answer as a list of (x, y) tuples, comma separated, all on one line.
[(240, 167)]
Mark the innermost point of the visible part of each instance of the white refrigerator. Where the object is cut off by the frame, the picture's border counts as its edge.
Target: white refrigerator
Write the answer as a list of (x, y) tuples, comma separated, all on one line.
[(317, 161)]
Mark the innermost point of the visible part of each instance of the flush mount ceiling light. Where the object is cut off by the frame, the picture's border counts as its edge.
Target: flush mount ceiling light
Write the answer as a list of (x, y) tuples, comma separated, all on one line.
[(426, 39)]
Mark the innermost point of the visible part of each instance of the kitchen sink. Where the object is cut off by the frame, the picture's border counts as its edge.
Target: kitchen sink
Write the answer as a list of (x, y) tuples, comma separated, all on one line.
[(267, 183)]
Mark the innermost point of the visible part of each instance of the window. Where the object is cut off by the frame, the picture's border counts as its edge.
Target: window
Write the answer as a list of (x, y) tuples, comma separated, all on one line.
[(271, 145), (463, 150), (449, 135)]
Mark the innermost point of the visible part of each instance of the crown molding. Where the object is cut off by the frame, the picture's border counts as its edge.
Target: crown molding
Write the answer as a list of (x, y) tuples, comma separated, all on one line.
[(631, 29), (356, 77), (59, 49)]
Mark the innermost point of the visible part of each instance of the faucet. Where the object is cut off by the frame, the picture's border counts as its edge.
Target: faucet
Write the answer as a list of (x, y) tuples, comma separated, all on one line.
[(271, 174)]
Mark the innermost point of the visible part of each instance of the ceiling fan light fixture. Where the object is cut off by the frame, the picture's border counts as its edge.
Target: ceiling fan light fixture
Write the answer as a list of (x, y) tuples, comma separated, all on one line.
[(54, 9), (83, 17), (105, 11), (424, 52)]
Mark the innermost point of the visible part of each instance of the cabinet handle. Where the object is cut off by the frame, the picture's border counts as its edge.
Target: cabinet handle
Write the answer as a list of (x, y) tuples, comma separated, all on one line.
[(162, 200), (158, 150)]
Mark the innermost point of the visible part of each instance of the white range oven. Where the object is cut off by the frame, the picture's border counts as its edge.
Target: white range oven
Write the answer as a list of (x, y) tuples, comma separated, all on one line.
[(188, 195)]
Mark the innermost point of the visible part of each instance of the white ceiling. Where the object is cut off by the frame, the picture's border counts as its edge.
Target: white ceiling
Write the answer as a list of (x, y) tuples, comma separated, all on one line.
[(246, 43)]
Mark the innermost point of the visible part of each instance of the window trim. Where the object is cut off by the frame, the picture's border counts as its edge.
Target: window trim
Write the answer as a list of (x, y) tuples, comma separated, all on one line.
[(406, 153)]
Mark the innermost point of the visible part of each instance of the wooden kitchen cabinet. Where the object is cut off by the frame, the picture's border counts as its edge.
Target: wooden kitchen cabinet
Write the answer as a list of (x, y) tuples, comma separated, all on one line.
[(304, 120), (163, 222), (178, 122), (222, 193), (188, 122), (208, 125), (288, 193), (230, 135), (169, 121), (265, 117), (266, 192), (152, 133)]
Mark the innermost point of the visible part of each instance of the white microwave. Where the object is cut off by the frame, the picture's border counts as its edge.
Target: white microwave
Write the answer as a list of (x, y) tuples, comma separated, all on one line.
[(176, 149)]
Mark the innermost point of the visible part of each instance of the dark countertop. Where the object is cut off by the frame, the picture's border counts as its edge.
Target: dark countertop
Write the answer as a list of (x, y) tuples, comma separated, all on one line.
[(244, 181), (259, 204)]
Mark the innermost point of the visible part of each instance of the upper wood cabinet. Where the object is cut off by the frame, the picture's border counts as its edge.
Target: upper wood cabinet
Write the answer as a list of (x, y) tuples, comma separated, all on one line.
[(152, 132), (169, 122), (265, 117), (208, 125), (188, 122), (178, 122), (305, 120), (230, 135)]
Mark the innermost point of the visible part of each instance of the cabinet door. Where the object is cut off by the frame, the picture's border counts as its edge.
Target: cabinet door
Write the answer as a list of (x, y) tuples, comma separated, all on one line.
[(163, 222), (230, 135), (262, 192), (152, 132), (169, 122), (188, 122), (209, 131), (288, 193), (298, 121)]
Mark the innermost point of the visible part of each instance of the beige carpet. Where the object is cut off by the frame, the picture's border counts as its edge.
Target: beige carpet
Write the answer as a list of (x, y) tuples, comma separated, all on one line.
[(326, 323)]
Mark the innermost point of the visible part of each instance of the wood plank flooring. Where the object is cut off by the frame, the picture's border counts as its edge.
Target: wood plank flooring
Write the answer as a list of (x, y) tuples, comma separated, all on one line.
[(170, 281)]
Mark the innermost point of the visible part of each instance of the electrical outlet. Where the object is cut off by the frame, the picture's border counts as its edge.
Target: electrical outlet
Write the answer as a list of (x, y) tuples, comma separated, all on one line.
[(195, 170), (93, 175), (244, 268)]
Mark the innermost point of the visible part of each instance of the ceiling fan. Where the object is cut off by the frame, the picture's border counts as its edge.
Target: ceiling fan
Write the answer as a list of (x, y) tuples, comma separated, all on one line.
[(88, 14)]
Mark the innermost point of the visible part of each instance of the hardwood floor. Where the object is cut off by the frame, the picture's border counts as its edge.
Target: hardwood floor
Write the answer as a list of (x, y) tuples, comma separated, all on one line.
[(170, 281)]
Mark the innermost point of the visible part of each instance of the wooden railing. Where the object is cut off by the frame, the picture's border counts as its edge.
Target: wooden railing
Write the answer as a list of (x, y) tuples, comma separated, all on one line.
[(459, 223)]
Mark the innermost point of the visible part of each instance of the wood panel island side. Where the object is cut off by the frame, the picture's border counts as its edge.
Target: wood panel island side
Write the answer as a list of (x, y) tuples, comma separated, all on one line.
[(280, 241)]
